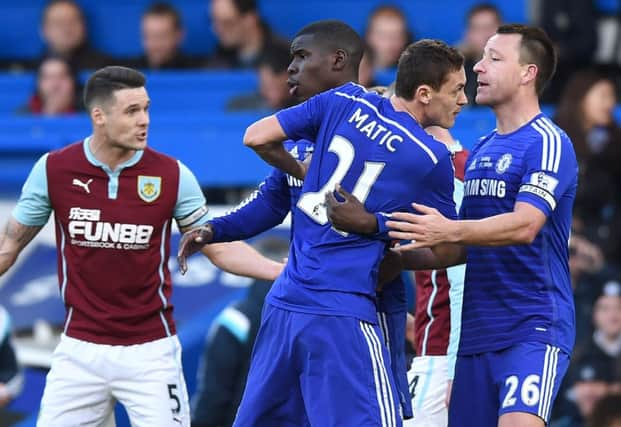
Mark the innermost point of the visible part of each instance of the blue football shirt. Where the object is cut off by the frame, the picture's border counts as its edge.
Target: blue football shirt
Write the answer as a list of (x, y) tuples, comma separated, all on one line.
[(523, 292), (387, 161)]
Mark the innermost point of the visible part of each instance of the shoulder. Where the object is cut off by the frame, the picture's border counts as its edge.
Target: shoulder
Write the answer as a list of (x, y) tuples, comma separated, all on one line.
[(545, 136), (151, 155), (74, 149)]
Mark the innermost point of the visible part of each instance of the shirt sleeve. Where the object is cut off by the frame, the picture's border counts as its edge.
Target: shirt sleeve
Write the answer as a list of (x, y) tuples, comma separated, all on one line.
[(191, 208), (34, 207), (551, 170), (264, 209), (438, 188), (302, 121)]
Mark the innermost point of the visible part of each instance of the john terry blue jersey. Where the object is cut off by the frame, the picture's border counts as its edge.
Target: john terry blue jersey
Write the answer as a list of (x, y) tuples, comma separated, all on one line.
[(520, 293), (387, 161)]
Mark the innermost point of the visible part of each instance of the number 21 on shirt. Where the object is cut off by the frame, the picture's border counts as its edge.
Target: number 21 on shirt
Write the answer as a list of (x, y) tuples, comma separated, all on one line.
[(312, 203)]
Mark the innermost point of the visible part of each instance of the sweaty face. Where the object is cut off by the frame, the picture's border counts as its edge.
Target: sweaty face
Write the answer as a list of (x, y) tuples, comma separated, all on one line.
[(63, 28), (499, 71), (446, 103), (310, 68), (226, 22), (127, 119), (160, 38), (56, 87)]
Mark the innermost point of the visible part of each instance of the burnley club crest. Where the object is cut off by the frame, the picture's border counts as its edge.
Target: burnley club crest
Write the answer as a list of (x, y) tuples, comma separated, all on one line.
[(149, 187)]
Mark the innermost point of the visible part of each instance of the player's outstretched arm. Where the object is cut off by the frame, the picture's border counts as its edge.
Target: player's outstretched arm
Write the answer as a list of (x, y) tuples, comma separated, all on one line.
[(13, 239), (234, 257), (243, 260), (431, 228), (265, 137)]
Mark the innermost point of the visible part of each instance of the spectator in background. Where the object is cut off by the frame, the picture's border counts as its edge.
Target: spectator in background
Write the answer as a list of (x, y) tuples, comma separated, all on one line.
[(586, 113), (482, 21), (273, 93), (242, 36), (571, 24), (387, 35), (226, 359), (11, 379), (607, 412), (594, 371), (57, 90), (65, 35), (162, 35)]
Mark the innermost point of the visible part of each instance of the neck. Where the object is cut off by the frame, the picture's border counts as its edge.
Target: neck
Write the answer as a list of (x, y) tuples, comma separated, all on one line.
[(107, 152), (512, 115), (400, 104)]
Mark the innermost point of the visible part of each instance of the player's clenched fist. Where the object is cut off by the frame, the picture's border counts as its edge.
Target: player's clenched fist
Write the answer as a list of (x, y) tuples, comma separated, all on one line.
[(192, 242)]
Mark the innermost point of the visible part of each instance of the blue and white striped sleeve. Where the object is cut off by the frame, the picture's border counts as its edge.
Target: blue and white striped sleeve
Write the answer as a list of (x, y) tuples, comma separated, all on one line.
[(34, 207), (191, 208), (551, 167)]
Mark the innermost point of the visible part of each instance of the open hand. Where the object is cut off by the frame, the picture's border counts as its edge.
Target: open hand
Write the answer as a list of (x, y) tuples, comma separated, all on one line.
[(424, 230), (191, 242)]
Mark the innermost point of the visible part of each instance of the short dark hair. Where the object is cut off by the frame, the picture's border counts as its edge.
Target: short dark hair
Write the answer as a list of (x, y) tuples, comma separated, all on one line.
[(102, 84), (425, 62), (165, 9), (334, 34), (535, 48), (483, 7), (245, 6), (276, 58)]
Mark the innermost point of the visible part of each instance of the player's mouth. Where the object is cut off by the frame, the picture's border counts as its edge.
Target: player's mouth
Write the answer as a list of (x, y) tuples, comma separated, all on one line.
[(481, 84), (141, 136), (293, 87)]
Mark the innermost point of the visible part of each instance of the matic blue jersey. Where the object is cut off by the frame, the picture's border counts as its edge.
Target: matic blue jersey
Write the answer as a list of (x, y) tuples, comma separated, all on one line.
[(520, 293), (387, 161)]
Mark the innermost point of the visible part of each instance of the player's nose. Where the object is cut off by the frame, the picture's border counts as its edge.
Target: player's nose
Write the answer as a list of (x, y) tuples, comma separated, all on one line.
[(478, 67)]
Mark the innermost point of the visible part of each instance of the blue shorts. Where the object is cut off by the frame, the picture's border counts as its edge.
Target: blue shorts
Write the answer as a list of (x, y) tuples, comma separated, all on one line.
[(318, 370), (392, 319), (525, 377)]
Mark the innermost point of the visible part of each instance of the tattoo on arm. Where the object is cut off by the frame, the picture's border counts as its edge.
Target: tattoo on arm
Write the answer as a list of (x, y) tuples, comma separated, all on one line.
[(13, 239), (21, 234)]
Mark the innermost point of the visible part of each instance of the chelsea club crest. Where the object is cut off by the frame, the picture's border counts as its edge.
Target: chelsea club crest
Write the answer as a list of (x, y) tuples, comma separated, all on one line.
[(149, 187), (503, 163)]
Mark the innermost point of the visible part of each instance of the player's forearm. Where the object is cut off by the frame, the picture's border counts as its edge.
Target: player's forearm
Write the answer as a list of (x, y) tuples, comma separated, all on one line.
[(242, 259), (499, 230), (275, 154), (440, 256), (255, 215), (13, 239), (265, 137)]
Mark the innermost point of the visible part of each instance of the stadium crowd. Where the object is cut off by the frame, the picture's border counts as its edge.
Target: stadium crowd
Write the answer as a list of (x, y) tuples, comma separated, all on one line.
[(583, 94)]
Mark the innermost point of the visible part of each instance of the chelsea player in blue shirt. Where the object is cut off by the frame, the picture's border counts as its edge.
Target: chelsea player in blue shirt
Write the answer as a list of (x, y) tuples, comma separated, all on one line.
[(323, 58), (318, 358), (518, 322)]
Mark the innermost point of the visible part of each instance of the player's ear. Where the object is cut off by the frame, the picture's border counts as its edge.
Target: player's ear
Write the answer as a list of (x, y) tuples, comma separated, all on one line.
[(98, 116), (529, 73), (340, 58), (423, 94)]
